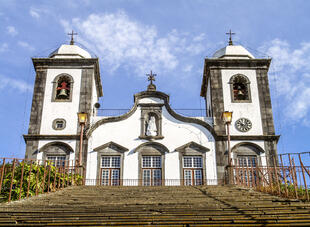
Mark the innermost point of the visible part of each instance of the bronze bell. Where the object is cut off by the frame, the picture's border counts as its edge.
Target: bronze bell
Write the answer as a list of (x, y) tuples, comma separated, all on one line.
[(240, 92), (63, 93)]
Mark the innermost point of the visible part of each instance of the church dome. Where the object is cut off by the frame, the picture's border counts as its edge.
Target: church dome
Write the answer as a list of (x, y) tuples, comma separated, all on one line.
[(233, 52), (69, 51)]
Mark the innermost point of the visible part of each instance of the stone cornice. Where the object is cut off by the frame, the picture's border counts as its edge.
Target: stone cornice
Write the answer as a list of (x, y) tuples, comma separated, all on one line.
[(50, 137), (44, 63), (251, 137)]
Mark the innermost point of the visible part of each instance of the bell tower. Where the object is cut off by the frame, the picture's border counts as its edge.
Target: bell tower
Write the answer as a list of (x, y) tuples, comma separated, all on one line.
[(234, 80), (67, 82)]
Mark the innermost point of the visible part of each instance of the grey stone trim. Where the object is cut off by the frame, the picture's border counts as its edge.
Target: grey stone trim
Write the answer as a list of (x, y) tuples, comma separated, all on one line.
[(192, 146), (36, 110), (59, 119), (113, 146), (110, 149), (146, 94), (217, 101), (221, 158), (151, 149), (50, 137), (57, 151), (85, 106), (233, 100), (72, 62), (235, 55), (55, 87), (253, 137), (258, 148), (186, 150), (31, 149), (146, 110), (265, 102)]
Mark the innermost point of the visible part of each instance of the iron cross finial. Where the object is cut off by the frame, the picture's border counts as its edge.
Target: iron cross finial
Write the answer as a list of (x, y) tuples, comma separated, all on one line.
[(151, 77), (230, 34), (72, 34)]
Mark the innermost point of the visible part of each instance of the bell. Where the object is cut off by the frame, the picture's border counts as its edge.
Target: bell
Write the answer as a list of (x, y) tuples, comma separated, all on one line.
[(63, 93), (240, 92)]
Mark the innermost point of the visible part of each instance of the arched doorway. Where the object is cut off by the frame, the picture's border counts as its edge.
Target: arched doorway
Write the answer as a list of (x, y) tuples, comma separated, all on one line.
[(56, 152)]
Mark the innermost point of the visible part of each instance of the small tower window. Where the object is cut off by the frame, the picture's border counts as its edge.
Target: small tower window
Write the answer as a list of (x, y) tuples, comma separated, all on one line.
[(62, 91), (59, 124), (240, 88)]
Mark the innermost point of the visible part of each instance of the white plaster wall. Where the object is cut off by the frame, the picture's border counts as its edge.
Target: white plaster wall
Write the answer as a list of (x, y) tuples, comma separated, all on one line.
[(251, 110), (65, 110), (176, 133)]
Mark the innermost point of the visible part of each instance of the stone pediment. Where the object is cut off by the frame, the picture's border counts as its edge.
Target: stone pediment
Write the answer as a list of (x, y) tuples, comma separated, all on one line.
[(111, 147), (192, 148)]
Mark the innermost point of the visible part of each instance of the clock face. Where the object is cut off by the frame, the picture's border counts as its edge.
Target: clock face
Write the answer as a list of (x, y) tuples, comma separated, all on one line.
[(243, 125)]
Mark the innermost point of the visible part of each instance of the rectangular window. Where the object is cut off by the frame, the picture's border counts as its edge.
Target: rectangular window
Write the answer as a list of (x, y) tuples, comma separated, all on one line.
[(193, 170), (151, 171), (246, 163), (192, 162), (58, 161), (110, 170)]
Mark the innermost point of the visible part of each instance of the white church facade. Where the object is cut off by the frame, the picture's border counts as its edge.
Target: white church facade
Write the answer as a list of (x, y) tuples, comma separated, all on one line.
[(151, 144)]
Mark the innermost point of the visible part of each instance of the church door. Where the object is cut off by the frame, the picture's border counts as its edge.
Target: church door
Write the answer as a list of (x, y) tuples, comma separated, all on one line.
[(151, 171)]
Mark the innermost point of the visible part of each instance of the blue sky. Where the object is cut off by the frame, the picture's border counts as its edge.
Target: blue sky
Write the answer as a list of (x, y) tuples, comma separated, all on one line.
[(170, 37)]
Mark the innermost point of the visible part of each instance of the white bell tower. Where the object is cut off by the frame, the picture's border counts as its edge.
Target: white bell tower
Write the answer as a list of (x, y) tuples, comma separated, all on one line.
[(234, 80), (67, 82)]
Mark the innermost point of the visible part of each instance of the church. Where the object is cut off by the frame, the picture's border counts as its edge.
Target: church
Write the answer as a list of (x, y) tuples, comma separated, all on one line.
[(151, 144)]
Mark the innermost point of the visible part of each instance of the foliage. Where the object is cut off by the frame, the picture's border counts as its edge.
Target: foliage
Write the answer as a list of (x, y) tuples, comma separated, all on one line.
[(38, 178)]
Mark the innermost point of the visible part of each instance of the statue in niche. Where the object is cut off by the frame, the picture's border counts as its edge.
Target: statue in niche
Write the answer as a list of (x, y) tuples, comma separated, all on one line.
[(151, 128)]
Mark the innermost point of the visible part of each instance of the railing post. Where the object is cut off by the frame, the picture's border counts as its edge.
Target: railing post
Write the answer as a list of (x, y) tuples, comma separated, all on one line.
[(284, 176), (2, 173), (12, 178), (44, 175), (29, 177), (37, 177), (304, 177), (293, 176), (21, 181), (49, 177), (276, 175)]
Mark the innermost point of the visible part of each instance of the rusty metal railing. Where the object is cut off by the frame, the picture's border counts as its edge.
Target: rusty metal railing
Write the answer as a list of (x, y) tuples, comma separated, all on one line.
[(21, 178), (285, 175)]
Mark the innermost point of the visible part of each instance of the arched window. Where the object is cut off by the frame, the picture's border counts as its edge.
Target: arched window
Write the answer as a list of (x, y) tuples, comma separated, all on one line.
[(240, 88), (56, 152), (62, 90)]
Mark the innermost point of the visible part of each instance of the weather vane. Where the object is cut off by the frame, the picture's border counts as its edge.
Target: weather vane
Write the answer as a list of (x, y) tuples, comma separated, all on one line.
[(230, 34), (72, 34)]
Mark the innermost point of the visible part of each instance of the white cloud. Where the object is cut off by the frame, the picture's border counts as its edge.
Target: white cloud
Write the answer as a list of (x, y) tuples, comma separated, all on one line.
[(121, 41), (36, 12), (4, 47), (290, 77), (11, 30), (14, 85), (25, 45)]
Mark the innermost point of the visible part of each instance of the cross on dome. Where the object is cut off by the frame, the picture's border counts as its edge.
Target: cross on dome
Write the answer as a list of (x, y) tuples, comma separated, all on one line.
[(72, 34), (151, 78), (230, 34)]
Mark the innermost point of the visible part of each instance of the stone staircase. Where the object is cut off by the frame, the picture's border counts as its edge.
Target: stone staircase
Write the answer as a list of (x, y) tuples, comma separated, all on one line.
[(177, 206)]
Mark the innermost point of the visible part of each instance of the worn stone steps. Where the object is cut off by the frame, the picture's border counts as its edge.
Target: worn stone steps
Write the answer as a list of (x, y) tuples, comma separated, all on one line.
[(204, 205)]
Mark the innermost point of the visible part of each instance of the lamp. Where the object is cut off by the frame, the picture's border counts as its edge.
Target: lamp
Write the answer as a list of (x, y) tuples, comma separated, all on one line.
[(227, 119), (82, 117)]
